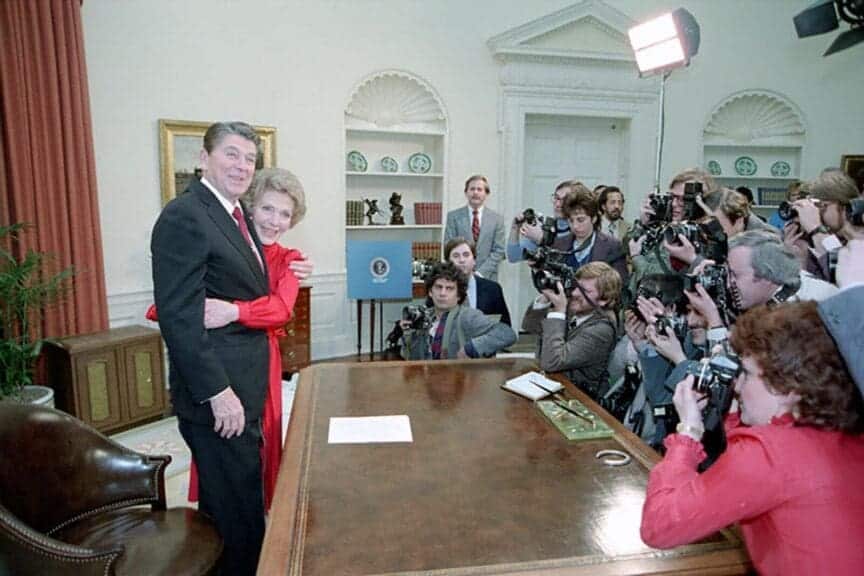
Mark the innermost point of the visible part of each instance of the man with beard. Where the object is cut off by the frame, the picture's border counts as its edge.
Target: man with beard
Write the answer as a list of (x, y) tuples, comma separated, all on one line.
[(611, 203)]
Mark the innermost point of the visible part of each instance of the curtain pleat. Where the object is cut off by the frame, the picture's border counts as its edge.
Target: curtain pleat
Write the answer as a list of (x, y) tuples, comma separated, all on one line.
[(48, 166)]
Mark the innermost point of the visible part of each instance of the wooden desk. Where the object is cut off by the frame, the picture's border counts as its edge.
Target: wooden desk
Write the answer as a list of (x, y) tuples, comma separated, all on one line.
[(487, 486)]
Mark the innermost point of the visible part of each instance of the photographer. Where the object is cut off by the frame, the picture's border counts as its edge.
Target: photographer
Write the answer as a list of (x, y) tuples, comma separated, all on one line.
[(585, 242), (761, 270), (578, 330), (789, 475), (732, 211), (659, 261), (823, 215), (528, 236), (662, 357), (449, 329)]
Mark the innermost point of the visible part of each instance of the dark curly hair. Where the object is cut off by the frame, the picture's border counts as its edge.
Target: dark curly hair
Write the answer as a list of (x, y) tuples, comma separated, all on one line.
[(580, 198), (796, 354), (447, 271)]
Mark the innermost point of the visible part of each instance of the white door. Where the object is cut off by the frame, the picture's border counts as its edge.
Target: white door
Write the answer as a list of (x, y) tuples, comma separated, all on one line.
[(589, 149)]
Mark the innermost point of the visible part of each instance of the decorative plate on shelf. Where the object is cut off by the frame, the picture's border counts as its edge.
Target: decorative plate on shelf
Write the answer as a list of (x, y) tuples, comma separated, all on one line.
[(389, 164), (781, 169), (745, 166), (356, 161), (714, 168), (419, 163)]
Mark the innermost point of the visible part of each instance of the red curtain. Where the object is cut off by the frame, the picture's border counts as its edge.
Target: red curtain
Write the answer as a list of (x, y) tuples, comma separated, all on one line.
[(47, 168)]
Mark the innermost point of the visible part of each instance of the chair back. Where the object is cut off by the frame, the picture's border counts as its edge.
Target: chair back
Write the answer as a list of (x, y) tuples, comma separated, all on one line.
[(55, 469)]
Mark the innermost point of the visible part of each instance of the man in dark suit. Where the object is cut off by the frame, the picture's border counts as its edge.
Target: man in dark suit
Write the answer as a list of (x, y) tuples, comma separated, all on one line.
[(481, 224), (586, 242), (204, 246), (484, 295)]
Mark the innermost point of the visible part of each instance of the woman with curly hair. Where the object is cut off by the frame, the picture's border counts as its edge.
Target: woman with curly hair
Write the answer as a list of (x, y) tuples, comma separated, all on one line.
[(792, 469)]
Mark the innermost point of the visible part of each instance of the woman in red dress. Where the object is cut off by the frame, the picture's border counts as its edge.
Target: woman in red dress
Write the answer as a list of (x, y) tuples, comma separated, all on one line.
[(276, 202)]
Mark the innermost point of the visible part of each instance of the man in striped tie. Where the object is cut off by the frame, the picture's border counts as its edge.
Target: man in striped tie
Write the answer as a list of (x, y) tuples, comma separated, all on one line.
[(481, 224)]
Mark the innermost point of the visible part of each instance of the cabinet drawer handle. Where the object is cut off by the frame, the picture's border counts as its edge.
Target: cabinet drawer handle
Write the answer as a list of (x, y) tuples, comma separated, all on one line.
[(291, 354), (290, 332)]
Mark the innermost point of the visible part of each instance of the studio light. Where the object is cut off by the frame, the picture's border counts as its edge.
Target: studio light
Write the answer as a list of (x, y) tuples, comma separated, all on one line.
[(665, 42), (821, 17), (660, 45)]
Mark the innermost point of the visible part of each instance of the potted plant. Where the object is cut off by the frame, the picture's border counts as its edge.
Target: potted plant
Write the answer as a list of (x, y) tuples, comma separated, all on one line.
[(27, 287)]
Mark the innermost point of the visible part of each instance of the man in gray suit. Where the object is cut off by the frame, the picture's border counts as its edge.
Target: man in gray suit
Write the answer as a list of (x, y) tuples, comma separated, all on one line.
[(578, 330), (454, 330), (480, 224)]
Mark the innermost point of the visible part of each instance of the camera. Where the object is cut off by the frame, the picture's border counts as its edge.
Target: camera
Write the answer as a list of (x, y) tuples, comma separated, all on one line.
[(786, 211), (661, 204), (667, 288), (715, 378), (529, 216), (668, 325), (421, 268), (548, 226), (548, 268), (419, 317)]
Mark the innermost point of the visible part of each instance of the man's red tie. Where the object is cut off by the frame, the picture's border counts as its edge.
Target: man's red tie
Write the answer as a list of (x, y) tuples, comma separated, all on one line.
[(244, 230), (475, 226)]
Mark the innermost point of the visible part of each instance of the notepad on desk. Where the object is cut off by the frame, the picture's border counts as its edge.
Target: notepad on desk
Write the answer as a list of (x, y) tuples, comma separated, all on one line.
[(532, 385)]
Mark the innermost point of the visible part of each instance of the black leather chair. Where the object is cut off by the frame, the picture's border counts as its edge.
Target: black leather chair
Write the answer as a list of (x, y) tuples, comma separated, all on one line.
[(74, 502)]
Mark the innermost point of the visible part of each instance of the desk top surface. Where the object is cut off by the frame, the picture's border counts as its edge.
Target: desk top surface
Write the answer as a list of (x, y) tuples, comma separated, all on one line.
[(488, 486)]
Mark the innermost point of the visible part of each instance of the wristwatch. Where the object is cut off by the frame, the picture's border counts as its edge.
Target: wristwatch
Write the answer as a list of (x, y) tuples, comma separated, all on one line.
[(694, 432)]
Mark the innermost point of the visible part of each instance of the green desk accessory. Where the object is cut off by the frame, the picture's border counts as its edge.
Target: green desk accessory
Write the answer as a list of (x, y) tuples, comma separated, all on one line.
[(585, 426)]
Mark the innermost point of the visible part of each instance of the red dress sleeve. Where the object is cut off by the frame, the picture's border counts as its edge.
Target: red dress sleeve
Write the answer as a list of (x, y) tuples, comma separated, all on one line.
[(682, 505), (276, 308)]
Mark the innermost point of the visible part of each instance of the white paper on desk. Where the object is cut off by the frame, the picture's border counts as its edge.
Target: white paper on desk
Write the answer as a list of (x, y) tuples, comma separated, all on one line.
[(370, 430), (523, 386)]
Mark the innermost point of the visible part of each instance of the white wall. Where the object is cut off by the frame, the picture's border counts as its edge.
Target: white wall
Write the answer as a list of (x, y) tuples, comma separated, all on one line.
[(292, 65)]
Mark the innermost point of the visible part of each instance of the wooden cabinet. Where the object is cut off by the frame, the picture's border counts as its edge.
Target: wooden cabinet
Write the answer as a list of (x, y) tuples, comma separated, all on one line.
[(111, 380), (294, 346)]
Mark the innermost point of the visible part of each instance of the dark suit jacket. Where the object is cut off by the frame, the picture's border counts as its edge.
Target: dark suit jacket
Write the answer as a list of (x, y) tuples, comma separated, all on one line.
[(490, 299), (606, 249), (490, 243), (199, 252)]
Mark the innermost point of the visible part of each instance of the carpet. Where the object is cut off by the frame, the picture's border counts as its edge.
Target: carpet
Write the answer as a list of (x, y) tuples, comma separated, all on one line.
[(163, 437)]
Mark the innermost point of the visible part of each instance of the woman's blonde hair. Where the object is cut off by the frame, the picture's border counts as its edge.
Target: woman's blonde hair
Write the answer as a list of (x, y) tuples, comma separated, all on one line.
[(281, 181)]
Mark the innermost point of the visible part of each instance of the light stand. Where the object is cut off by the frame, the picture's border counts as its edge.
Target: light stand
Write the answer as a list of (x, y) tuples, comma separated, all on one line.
[(660, 45)]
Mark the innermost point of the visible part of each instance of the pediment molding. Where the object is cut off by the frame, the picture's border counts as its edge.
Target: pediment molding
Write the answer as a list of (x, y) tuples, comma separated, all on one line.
[(589, 30)]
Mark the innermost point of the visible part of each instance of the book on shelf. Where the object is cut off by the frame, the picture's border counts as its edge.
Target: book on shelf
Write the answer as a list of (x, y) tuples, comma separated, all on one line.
[(532, 385), (354, 212), (426, 250), (427, 213)]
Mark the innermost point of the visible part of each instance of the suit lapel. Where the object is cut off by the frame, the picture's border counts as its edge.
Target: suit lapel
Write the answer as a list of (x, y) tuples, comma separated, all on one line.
[(228, 226)]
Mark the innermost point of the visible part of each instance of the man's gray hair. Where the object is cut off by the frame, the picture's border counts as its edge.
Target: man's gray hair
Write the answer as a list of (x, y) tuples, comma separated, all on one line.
[(770, 259), (216, 132)]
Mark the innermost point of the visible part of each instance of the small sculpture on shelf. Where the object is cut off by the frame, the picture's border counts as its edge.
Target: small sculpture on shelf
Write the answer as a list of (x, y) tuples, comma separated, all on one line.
[(371, 210), (396, 218)]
